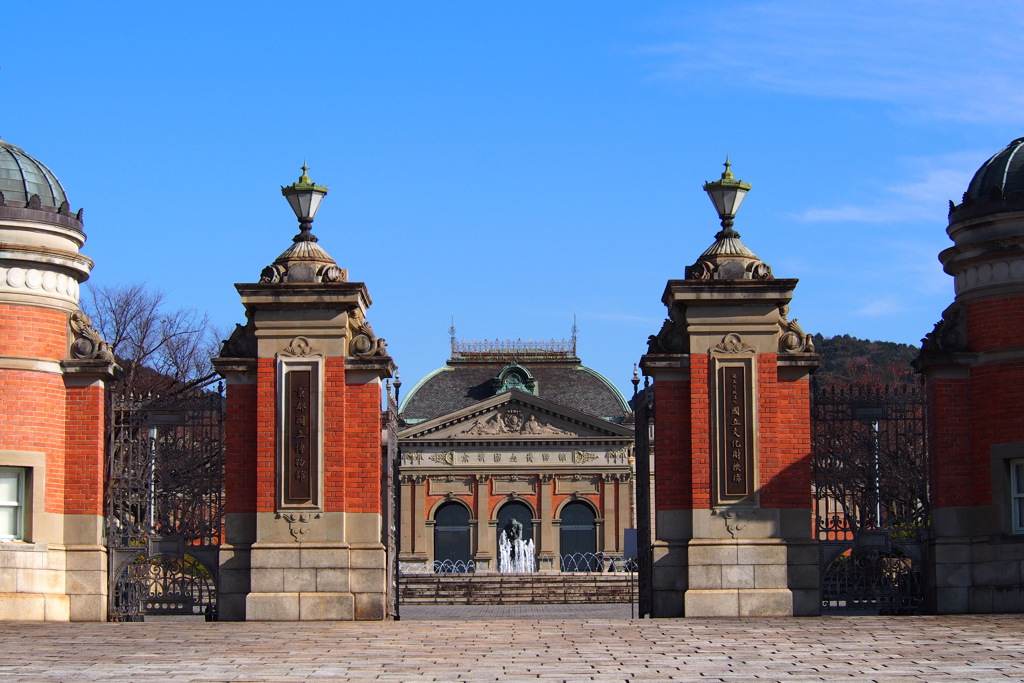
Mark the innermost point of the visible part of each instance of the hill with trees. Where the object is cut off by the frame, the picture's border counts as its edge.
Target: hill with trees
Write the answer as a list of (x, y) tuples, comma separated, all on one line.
[(847, 360)]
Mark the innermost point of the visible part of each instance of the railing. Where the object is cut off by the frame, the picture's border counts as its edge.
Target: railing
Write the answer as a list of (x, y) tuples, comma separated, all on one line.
[(573, 563)]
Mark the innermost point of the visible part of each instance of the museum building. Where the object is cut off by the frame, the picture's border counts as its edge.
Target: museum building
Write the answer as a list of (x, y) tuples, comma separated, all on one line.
[(511, 435)]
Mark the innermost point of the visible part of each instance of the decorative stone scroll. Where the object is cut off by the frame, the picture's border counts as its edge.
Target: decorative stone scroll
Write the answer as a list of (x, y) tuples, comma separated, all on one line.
[(298, 522), (87, 343), (949, 334), (300, 347), (364, 341), (733, 343), (242, 342), (792, 338)]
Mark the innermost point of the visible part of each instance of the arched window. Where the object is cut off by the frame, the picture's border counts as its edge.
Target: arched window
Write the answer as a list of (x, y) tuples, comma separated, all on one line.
[(578, 538), (451, 538)]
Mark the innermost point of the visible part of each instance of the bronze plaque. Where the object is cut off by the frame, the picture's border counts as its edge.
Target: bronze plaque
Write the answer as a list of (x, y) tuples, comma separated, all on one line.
[(735, 463), (298, 436)]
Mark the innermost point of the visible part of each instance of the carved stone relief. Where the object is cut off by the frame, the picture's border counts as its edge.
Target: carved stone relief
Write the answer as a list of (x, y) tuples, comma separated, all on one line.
[(733, 343), (949, 334), (439, 486), (364, 341), (242, 342), (792, 338), (577, 483), (300, 347), (86, 343), (512, 421), (298, 522), (35, 280)]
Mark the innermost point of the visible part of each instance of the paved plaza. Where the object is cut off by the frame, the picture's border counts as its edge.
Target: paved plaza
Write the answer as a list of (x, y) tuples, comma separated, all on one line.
[(553, 643)]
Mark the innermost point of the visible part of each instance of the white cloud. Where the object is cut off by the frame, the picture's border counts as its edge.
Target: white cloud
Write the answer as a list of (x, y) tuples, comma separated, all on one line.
[(938, 58), (934, 181)]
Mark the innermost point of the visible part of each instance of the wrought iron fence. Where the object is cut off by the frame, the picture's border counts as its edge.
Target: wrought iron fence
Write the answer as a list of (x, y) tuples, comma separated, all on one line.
[(164, 503), (871, 496)]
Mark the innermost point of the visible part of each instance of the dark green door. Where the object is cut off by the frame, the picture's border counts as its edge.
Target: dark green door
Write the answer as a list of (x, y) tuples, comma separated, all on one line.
[(578, 538)]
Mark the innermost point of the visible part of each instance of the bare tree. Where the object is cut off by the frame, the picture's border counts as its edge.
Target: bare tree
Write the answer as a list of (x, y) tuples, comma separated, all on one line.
[(160, 350)]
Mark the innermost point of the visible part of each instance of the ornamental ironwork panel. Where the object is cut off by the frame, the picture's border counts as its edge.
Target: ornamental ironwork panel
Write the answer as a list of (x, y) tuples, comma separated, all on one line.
[(164, 504), (871, 497), (643, 407), (391, 501)]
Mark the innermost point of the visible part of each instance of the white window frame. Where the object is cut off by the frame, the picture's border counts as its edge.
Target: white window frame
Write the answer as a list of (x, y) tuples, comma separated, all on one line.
[(18, 504), (1016, 496)]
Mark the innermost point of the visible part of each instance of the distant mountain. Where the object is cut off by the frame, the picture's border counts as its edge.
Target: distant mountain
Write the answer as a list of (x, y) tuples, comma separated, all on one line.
[(849, 360)]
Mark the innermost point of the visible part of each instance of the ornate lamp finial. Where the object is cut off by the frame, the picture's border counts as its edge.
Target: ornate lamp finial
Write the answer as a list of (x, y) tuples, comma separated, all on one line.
[(727, 194), (304, 197)]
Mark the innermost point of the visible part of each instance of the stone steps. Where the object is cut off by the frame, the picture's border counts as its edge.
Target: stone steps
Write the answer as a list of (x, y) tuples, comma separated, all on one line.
[(505, 589)]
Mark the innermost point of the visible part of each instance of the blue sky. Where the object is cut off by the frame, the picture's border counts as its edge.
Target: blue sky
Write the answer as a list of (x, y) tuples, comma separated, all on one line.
[(519, 164)]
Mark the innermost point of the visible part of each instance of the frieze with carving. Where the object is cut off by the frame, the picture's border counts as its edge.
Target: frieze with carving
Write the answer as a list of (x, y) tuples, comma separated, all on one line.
[(446, 458), (512, 421), (87, 343)]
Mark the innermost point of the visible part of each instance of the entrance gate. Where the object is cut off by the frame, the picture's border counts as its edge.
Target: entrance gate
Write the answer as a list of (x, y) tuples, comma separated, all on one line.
[(871, 499), (164, 504)]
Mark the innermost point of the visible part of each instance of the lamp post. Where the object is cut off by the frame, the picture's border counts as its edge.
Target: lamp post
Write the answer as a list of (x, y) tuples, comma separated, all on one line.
[(304, 197), (727, 194)]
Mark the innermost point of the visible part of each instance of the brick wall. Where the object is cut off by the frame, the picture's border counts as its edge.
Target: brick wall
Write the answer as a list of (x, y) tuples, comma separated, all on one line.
[(362, 443), (672, 444), (266, 437), (32, 415), (240, 440), (84, 449), (995, 324), (28, 331), (950, 470), (786, 445)]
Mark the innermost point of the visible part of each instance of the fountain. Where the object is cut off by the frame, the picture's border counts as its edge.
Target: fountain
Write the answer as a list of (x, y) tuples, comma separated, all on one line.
[(515, 556)]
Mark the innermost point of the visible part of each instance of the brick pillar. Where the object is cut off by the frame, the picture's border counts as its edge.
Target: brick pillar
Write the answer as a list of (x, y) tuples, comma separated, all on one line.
[(732, 442), (305, 509)]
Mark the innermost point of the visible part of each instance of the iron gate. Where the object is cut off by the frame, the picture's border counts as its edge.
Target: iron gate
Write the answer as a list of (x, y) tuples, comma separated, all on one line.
[(643, 424), (871, 499), (164, 504)]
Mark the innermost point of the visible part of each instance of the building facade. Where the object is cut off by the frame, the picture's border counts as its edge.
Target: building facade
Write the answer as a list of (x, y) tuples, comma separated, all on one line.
[(53, 370), (973, 363), (509, 436)]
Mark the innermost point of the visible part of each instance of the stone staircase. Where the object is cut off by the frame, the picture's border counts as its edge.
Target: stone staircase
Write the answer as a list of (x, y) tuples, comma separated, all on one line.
[(509, 589)]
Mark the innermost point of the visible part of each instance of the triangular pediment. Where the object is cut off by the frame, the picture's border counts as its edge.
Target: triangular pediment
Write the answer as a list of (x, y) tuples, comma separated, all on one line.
[(515, 415)]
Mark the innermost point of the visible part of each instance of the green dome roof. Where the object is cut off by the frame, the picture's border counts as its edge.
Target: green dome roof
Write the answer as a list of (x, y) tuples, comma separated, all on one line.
[(22, 176), (997, 187)]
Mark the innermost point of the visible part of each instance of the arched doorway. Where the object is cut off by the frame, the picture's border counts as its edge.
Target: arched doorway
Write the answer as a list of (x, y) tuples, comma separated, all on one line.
[(515, 518), (451, 538), (578, 538)]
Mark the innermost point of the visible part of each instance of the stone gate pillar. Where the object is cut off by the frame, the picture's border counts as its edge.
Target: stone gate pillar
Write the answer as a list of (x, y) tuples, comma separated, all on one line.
[(973, 363), (304, 502), (732, 437)]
